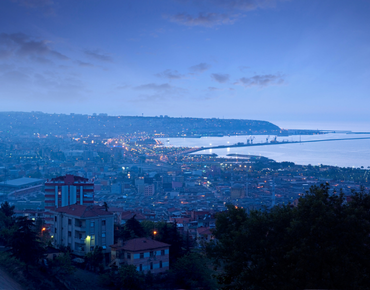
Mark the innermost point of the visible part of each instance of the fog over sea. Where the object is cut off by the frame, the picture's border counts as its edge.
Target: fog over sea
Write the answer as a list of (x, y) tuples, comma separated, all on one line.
[(345, 153)]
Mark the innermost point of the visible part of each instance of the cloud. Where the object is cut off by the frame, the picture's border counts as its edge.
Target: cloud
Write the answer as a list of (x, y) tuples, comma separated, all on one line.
[(244, 4), (20, 44), (203, 19), (213, 89), (155, 87), (171, 74), (14, 78), (158, 92), (261, 80), (243, 68), (233, 10), (84, 64), (220, 78), (97, 54), (199, 68)]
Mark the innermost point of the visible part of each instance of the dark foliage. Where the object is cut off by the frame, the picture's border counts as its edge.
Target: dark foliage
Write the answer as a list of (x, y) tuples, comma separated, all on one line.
[(321, 244)]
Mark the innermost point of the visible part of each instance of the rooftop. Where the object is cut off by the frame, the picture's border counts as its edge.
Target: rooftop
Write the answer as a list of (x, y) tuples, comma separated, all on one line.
[(83, 211), (21, 182), (140, 244)]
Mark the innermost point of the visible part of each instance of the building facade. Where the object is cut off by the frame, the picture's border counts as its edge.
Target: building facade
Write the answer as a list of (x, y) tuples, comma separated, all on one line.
[(67, 190), (145, 254), (82, 228)]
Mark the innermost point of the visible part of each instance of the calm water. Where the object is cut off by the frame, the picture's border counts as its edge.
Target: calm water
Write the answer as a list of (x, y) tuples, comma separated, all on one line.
[(348, 153)]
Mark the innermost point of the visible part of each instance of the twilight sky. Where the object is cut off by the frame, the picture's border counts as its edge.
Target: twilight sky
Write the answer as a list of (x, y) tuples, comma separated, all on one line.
[(296, 63)]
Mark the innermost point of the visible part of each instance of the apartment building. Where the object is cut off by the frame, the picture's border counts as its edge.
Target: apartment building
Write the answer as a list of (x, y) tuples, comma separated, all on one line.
[(67, 190), (146, 254), (82, 228)]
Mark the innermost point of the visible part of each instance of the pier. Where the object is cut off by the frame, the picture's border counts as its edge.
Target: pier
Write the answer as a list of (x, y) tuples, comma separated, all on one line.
[(271, 143)]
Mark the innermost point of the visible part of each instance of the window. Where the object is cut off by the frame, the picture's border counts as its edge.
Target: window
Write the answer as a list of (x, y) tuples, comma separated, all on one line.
[(129, 256), (151, 254), (69, 221), (55, 230), (103, 222), (103, 235), (141, 255), (91, 249), (162, 252), (92, 237), (141, 267), (55, 218), (69, 234), (104, 247), (92, 224), (151, 265), (160, 264)]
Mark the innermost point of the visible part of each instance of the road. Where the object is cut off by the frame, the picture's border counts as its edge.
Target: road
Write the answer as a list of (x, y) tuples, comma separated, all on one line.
[(8, 283)]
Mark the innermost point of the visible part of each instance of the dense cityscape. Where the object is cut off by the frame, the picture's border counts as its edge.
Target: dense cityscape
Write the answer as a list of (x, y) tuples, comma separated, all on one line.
[(184, 144), (136, 177)]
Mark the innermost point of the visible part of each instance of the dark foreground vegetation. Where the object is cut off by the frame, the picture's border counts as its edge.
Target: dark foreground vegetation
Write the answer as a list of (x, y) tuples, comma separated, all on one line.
[(321, 243)]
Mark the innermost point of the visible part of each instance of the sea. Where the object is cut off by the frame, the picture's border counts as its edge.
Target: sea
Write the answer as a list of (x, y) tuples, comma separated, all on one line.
[(344, 153)]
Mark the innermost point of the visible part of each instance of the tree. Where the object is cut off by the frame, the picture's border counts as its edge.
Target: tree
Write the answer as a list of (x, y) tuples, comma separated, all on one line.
[(6, 223), (192, 272), (322, 243), (105, 205), (25, 244), (6, 209), (95, 258), (130, 279), (132, 229), (62, 265)]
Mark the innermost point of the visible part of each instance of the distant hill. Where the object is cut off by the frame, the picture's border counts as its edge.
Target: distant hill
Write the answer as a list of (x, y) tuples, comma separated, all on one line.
[(22, 123)]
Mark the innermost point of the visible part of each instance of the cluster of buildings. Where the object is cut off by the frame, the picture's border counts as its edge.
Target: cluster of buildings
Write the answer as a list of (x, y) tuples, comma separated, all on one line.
[(65, 175)]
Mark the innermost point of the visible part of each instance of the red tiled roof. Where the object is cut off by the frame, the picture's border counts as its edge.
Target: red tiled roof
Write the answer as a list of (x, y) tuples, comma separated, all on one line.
[(140, 244), (204, 231), (83, 211)]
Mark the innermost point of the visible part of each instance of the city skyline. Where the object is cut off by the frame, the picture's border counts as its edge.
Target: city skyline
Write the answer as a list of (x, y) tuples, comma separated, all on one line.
[(287, 62)]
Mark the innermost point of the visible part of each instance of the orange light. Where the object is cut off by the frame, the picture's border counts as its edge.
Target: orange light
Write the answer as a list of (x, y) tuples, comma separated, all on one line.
[(155, 232), (43, 229)]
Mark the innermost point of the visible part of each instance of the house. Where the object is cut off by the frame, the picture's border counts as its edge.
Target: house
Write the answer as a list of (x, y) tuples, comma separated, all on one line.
[(145, 254), (82, 228), (204, 235)]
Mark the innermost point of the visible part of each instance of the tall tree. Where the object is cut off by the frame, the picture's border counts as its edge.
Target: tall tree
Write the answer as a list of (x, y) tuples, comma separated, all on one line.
[(322, 243), (7, 221), (133, 229), (7, 209), (25, 244)]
